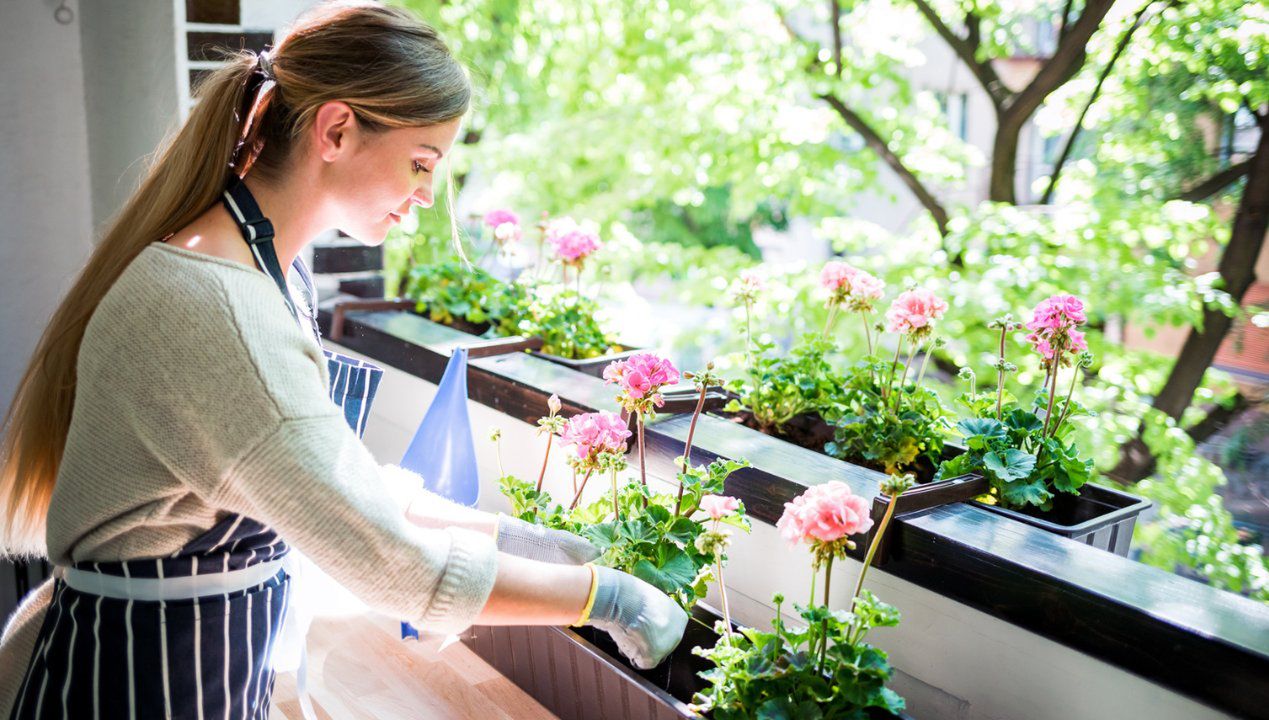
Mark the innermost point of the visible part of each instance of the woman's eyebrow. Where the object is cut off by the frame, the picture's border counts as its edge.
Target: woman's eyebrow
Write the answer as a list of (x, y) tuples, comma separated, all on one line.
[(434, 149)]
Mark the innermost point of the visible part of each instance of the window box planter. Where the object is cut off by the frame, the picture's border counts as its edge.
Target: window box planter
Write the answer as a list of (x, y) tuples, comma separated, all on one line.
[(590, 366), (578, 674), (1099, 516)]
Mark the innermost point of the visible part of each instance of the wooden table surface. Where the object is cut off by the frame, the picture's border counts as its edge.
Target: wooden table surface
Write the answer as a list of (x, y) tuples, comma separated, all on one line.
[(360, 668)]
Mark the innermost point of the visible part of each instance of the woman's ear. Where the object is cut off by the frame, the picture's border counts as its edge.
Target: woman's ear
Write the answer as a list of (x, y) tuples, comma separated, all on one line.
[(335, 128)]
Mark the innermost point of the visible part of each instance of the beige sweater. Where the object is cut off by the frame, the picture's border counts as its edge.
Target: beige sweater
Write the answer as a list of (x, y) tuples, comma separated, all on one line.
[(199, 396)]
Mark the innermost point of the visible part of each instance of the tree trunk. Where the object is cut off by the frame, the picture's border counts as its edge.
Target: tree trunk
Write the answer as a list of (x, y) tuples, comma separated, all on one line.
[(1237, 270), (1004, 159)]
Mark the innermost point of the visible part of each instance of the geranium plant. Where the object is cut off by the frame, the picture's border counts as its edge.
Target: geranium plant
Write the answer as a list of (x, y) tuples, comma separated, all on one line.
[(641, 378), (823, 669), (883, 421), (1024, 452), (654, 536), (572, 243)]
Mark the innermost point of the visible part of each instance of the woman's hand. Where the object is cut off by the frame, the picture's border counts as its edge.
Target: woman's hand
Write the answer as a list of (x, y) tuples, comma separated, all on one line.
[(645, 623)]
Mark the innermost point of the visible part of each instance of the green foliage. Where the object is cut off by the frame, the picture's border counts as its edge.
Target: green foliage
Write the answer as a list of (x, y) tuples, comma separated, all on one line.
[(1193, 531), (1024, 464), (566, 321), (650, 541), (887, 430), (779, 387), (821, 670), (449, 290), (708, 223)]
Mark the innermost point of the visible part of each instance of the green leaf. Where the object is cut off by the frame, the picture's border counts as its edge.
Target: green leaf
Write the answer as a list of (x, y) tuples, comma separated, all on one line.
[(987, 428), (669, 570), (1015, 465)]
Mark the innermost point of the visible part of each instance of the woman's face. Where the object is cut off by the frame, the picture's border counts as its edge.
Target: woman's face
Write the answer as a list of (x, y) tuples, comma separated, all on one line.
[(382, 176)]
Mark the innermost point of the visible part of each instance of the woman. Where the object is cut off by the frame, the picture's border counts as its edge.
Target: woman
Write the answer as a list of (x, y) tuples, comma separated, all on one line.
[(175, 435)]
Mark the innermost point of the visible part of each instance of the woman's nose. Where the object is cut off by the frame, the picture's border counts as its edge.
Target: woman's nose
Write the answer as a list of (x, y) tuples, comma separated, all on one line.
[(422, 197)]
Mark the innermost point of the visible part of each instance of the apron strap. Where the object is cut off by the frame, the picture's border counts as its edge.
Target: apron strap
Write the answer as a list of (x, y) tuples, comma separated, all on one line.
[(258, 232)]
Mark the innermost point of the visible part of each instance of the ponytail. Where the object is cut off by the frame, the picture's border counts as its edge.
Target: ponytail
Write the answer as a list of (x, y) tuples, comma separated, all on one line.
[(391, 69)]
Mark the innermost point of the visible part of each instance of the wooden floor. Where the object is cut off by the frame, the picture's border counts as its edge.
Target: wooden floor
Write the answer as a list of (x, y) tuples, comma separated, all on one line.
[(359, 667)]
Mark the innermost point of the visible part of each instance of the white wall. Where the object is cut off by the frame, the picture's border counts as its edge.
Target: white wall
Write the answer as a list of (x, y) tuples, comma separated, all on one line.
[(130, 93), (45, 205)]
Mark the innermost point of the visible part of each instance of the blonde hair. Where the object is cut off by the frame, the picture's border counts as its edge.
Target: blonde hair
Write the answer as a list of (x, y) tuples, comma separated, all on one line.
[(390, 68)]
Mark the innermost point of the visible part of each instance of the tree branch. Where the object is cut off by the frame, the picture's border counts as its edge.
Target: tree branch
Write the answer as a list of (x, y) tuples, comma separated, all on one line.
[(967, 51), (1097, 91), (836, 13), (1215, 183), (1066, 14), (1067, 60), (879, 146)]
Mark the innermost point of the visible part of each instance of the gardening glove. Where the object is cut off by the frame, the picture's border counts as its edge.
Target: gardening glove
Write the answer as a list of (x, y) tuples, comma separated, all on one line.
[(517, 537), (645, 623)]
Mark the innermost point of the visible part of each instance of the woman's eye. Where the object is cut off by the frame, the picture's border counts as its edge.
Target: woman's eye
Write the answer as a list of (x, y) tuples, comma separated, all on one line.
[(419, 167)]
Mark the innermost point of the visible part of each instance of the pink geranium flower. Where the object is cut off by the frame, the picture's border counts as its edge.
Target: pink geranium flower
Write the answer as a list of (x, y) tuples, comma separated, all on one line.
[(719, 506), (836, 275), (1052, 327), (824, 514), (641, 378), (914, 312), (594, 433), (494, 218), (507, 233), (571, 242)]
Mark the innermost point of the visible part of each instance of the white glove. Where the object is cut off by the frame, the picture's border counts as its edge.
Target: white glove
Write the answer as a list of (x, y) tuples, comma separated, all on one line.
[(644, 622), (535, 542)]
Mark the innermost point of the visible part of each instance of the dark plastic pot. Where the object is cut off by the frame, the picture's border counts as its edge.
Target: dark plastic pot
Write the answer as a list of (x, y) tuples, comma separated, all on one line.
[(591, 366), (1099, 516), (578, 673)]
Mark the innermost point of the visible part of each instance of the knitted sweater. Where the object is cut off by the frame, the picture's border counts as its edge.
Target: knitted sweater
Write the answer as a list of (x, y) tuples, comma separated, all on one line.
[(199, 396)]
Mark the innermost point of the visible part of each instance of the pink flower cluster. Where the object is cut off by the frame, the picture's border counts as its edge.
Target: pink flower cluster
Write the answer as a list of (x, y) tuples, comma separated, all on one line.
[(914, 312), (850, 286), (642, 376), (824, 514), (594, 433), (719, 506), (571, 242), (494, 218), (1052, 327)]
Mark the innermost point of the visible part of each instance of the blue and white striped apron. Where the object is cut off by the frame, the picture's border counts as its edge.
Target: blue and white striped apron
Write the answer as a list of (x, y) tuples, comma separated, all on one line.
[(150, 642)]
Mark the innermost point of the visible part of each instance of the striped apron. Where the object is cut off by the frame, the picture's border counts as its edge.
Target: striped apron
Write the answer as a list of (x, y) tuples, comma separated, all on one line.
[(192, 635)]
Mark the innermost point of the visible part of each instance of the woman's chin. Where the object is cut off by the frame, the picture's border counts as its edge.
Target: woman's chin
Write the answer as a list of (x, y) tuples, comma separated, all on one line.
[(368, 236)]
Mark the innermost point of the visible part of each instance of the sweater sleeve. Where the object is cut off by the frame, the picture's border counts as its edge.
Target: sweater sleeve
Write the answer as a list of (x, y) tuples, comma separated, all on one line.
[(256, 433)]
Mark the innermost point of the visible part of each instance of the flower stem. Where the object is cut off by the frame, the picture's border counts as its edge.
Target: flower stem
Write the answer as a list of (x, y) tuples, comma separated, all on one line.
[(925, 360), (498, 451), (687, 449), (872, 549), (903, 380), (1000, 376), (832, 315), (894, 366), (550, 437), (581, 489), (1048, 414), (616, 508), (828, 581), (748, 337), (1075, 374), (643, 468), (722, 588), (868, 336)]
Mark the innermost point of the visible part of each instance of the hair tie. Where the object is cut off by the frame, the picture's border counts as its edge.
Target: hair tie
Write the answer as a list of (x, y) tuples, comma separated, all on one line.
[(264, 62), (260, 92)]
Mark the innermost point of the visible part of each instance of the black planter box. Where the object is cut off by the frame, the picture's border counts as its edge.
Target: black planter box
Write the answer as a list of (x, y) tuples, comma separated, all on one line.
[(1098, 516), (591, 366), (578, 673)]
